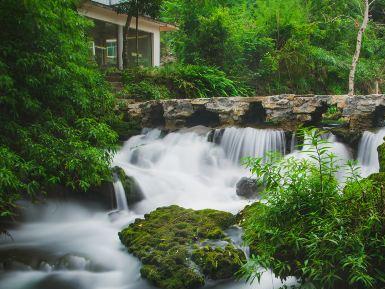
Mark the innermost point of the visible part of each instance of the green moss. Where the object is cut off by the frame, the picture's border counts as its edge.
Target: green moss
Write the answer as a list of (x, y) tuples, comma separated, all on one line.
[(218, 263), (381, 157), (378, 178), (244, 219), (166, 243)]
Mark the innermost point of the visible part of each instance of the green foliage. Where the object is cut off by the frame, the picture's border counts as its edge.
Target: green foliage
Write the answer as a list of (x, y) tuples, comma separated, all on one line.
[(168, 241), (145, 90), (142, 7), (177, 81), (333, 116), (312, 228), (54, 105), (277, 46)]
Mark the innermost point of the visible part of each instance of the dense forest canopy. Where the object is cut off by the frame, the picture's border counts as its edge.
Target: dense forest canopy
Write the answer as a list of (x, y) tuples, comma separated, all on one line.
[(275, 46), (54, 105)]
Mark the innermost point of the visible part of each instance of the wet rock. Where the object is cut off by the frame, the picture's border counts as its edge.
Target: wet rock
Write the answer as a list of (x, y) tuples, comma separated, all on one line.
[(199, 130), (114, 215), (45, 267), (16, 266), (132, 190), (169, 241), (103, 194), (381, 157), (72, 262), (215, 136), (248, 188), (347, 136)]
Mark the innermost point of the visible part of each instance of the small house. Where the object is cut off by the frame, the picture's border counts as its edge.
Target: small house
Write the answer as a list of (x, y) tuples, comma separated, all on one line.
[(107, 36)]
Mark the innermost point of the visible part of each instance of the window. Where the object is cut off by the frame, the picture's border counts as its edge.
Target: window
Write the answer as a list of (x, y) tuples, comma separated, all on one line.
[(104, 47), (111, 48), (145, 48)]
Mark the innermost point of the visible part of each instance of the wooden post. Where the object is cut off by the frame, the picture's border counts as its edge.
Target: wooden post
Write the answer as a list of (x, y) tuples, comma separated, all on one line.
[(126, 58), (120, 48), (137, 37)]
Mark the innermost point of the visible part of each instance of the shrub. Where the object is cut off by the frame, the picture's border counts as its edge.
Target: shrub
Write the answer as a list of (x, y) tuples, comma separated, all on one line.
[(312, 228), (54, 104), (177, 81), (145, 90)]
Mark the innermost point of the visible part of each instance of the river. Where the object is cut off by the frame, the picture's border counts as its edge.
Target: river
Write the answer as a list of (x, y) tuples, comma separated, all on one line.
[(63, 245)]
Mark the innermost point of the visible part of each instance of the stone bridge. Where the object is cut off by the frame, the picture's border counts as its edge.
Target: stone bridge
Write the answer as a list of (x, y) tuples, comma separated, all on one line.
[(284, 111)]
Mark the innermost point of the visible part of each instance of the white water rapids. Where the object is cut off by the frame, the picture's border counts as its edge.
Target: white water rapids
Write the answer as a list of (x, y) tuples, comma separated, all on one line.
[(64, 245)]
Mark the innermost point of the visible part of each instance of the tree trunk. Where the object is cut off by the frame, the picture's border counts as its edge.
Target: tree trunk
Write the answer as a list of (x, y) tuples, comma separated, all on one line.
[(126, 56), (377, 87), (358, 48), (137, 37)]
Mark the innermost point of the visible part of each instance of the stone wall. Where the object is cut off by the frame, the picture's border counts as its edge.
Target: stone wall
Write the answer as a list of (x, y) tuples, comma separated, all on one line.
[(284, 111)]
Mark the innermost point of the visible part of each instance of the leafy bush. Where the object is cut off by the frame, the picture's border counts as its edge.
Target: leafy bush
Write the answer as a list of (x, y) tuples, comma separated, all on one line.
[(54, 104), (312, 228), (276, 46), (145, 90), (177, 81)]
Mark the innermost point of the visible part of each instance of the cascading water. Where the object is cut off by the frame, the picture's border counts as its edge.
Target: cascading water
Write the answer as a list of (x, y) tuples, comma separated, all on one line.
[(182, 169), (120, 195), (71, 246), (293, 142), (249, 142), (339, 150), (367, 151)]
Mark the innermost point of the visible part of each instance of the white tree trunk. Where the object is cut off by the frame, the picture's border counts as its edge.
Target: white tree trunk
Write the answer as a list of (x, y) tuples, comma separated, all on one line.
[(377, 87), (358, 48)]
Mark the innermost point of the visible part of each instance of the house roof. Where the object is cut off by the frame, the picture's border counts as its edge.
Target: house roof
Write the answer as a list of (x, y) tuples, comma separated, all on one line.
[(107, 4)]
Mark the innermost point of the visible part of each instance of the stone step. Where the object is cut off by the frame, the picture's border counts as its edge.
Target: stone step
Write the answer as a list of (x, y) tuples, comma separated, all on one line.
[(116, 85), (114, 77)]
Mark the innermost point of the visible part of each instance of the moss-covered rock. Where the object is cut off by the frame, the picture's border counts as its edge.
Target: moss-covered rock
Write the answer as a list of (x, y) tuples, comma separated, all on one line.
[(381, 157), (244, 219), (168, 242), (131, 188), (219, 263), (378, 178), (347, 136)]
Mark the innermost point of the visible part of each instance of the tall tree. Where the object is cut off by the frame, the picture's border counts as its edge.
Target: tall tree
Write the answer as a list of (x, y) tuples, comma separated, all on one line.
[(54, 104), (136, 8), (357, 53)]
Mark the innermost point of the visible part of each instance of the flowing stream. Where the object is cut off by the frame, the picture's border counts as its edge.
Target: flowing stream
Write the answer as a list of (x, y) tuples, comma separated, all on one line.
[(63, 245)]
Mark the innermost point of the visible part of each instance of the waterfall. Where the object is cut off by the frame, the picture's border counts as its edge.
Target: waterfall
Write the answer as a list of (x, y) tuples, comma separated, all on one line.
[(181, 168), (293, 142), (120, 195), (249, 142), (340, 150), (367, 151)]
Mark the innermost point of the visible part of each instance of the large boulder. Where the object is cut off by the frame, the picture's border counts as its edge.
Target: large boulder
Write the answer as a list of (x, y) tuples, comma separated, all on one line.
[(172, 243), (132, 190), (248, 188)]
